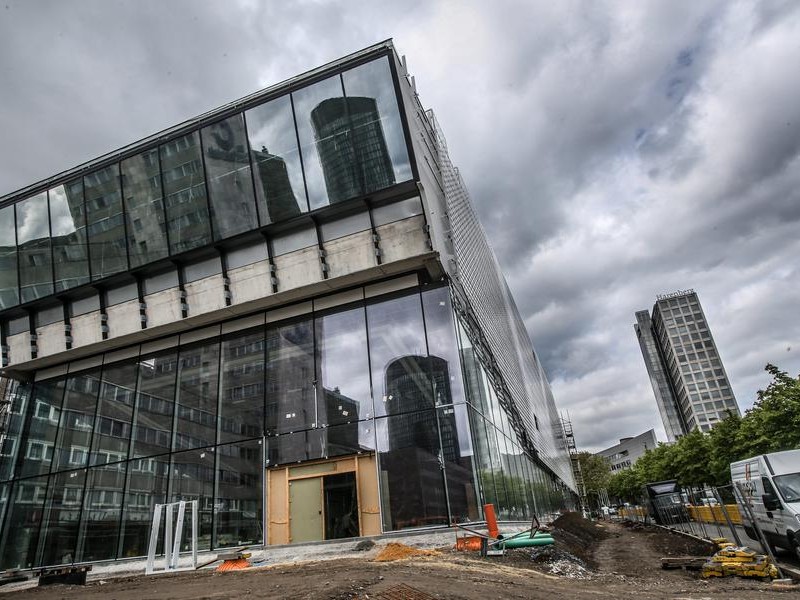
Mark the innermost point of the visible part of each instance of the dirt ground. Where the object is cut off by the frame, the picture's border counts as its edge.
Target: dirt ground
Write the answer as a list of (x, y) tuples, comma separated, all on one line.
[(612, 561)]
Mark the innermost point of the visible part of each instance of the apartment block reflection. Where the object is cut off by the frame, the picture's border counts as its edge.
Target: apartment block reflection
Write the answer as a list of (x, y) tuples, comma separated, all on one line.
[(276, 185)]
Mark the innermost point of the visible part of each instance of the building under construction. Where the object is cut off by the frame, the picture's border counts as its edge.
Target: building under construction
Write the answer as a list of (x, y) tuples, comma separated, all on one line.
[(284, 309)]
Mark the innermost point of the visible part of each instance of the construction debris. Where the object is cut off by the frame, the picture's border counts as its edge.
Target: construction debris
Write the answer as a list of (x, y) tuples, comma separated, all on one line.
[(740, 561), (233, 561), (395, 551)]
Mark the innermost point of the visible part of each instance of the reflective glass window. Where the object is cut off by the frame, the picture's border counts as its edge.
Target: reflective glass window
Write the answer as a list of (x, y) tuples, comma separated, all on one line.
[(68, 226), (112, 426), (21, 530), (322, 443), (290, 377), (323, 126), (9, 294), (146, 487), (196, 401), (192, 478), (377, 128), (105, 222), (19, 395), (276, 159), (155, 397), (59, 536), (98, 535), (412, 487), (237, 503), (401, 370), (44, 412), (442, 343), (473, 376), (496, 462), (77, 420), (397, 211), (343, 390), (185, 193), (33, 239), (144, 208), (458, 462), (483, 457), (230, 184), (241, 406)]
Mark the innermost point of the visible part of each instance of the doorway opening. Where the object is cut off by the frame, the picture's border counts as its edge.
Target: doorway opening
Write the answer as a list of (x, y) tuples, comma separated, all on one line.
[(341, 506)]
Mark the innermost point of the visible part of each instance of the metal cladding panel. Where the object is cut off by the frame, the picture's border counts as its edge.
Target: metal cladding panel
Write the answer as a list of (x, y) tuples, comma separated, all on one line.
[(478, 278)]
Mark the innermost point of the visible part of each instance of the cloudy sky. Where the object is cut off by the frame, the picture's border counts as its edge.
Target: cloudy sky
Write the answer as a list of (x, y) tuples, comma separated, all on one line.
[(615, 150)]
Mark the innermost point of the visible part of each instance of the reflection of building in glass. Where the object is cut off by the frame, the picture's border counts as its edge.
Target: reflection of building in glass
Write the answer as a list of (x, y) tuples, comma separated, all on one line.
[(349, 132), (690, 384), (277, 187)]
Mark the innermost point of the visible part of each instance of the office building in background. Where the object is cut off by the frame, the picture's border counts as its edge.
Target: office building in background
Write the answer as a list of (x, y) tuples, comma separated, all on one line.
[(624, 455), (691, 386)]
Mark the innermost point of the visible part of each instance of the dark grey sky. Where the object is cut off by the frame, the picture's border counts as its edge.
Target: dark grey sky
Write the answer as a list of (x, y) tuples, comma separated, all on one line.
[(615, 150)]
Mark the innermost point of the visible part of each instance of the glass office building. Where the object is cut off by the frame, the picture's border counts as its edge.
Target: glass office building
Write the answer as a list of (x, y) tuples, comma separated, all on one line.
[(689, 381), (284, 309)]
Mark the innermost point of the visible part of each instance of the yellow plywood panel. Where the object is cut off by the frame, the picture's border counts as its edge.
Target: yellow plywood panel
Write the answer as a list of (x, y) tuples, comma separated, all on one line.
[(368, 501), (278, 513)]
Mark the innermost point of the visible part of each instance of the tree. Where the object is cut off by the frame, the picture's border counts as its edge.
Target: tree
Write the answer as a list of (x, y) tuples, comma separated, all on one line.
[(625, 485), (595, 471), (773, 424)]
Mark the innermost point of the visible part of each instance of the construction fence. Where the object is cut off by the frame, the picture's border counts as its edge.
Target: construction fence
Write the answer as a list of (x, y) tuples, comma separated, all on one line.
[(709, 513)]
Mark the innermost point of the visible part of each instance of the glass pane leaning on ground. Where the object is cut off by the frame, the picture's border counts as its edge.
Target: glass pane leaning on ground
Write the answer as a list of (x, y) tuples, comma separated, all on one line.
[(285, 309)]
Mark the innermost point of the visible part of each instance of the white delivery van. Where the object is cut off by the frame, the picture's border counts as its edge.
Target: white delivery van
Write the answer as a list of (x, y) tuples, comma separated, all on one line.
[(772, 484)]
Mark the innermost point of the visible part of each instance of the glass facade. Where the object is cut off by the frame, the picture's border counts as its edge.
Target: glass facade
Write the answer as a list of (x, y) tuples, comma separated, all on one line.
[(325, 143), (89, 454)]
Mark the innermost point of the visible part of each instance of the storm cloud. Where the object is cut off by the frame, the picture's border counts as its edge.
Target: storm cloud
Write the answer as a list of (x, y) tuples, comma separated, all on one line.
[(614, 150)]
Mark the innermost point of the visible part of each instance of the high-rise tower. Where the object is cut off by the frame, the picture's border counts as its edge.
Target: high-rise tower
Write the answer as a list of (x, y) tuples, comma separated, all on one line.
[(690, 384)]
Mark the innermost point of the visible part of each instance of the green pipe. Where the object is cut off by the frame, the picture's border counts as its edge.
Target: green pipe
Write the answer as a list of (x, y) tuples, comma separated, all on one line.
[(526, 534), (526, 542)]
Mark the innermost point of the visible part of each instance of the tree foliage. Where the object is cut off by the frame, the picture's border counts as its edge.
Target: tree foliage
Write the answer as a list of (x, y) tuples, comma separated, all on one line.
[(772, 425), (595, 470)]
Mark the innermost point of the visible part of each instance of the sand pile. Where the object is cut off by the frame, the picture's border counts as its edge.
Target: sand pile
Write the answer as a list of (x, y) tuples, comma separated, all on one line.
[(395, 551)]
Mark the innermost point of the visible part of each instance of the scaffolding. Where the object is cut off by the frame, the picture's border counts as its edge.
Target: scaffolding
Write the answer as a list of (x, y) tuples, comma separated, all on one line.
[(572, 449)]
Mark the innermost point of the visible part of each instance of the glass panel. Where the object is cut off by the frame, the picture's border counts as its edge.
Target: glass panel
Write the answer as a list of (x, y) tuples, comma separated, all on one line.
[(442, 344), (237, 504), (5, 493), (147, 486), (377, 128), (99, 531), (68, 225), (276, 159), (21, 531), (43, 416), (323, 126), (458, 468), (327, 442), (412, 487), (9, 294), (19, 397), (196, 423), (192, 478), (401, 369), (33, 239), (241, 408), (144, 208), (396, 211), (496, 463), (185, 193), (58, 541), (473, 376), (112, 426), (483, 456), (343, 363), (155, 396), (77, 419), (105, 222), (290, 376), (230, 184)]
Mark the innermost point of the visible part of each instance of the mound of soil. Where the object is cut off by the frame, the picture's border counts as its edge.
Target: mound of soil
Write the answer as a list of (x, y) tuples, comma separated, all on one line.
[(578, 536)]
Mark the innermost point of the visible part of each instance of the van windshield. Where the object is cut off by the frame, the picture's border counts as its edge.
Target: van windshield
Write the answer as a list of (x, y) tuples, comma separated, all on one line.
[(789, 486)]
